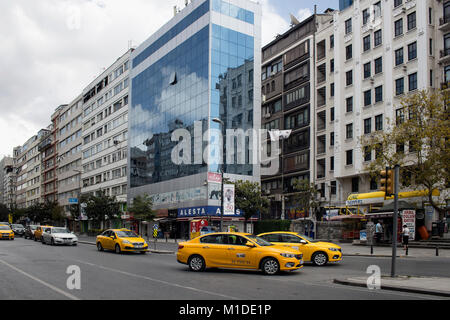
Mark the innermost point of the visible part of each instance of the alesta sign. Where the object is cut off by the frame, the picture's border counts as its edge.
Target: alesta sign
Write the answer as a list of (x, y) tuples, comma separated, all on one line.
[(213, 211)]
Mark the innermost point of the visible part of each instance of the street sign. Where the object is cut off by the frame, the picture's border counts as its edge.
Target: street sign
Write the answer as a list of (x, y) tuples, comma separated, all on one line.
[(73, 200)]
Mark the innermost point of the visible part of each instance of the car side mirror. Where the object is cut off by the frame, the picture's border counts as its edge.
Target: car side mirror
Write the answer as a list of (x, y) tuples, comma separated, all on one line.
[(250, 244), (303, 242)]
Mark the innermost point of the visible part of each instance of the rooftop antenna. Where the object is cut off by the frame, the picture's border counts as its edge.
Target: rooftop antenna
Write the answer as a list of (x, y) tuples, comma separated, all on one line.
[(294, 20), (175, 10)]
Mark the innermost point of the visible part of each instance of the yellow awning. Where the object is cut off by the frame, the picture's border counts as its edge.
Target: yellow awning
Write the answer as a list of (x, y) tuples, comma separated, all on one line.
[(401, 195)]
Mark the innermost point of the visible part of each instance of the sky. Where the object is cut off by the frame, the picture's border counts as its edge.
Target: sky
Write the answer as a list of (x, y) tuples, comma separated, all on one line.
[(52, 49)]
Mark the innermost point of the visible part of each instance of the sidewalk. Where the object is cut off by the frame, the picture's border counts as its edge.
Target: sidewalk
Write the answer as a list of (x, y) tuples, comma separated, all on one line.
[(349, 249), (421, 285)]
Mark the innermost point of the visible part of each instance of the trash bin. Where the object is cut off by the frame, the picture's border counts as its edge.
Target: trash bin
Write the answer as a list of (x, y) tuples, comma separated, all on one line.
[(441, 228), (435, 230)]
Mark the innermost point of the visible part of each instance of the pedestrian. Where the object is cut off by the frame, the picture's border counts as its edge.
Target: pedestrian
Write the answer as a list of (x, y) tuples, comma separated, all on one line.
[(405, 236), (378, 232)]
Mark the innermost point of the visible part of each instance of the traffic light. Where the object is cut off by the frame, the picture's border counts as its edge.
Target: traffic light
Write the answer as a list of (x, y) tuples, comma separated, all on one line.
[(387, 182)]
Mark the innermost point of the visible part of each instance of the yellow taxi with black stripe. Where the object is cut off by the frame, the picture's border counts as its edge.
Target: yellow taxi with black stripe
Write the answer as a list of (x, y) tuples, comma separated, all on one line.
[(317, 252), (237, 251), (6, 232), (121, 240)]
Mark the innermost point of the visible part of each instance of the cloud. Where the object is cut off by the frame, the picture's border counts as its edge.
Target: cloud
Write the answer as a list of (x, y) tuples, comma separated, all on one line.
[(303, 14), (52, 49)]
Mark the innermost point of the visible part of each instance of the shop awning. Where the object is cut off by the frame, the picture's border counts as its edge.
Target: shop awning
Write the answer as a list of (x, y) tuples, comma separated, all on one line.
[(347, 217), (378, 197)]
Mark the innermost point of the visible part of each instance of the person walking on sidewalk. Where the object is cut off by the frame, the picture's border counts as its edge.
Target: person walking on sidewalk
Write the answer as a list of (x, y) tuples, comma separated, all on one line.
[(378, 232), (405, 236)]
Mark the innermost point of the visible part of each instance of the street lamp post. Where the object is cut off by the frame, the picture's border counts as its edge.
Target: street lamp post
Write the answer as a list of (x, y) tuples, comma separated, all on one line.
[(222, 124)]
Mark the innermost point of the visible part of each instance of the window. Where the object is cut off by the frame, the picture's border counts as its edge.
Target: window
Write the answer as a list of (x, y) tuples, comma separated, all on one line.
[(412, 51), (331, 41), (349, 78), (412, 78), (411, 21), (397, 3), (367, 154), (378, 38), (366, 43), (377, 9), (400, 116), (355, 184), (367, 98), (349, 157), (332, 114), (379, 65), (366, 16), (399, 86), (332, 90), (348, 26), (332, 139), (399, 56), (331, 65), (368, 126), (349, 104), (378, 94), (367, 70), (332, 164), (349, 131), (379, 123), (398, 27), (348, 52)]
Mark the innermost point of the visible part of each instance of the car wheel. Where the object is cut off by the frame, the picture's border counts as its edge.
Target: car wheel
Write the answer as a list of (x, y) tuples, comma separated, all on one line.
[(52, 242), (118, 250), (42, 240), (319, 259), (196, 263), (270, 266), (143, 252), (34, 238), (99, 246)]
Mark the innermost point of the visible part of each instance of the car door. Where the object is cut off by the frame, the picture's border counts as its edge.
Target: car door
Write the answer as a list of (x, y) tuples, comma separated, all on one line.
[(238, 254), (214, 250), (38, 233), (108, 242)]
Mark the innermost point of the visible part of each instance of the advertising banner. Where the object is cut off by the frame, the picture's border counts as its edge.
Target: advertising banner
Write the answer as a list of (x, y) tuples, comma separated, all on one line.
[(228, 200), (409, 219)]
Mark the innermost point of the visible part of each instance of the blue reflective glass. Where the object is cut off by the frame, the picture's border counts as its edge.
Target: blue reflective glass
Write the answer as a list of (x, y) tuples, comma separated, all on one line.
[(233, 11)]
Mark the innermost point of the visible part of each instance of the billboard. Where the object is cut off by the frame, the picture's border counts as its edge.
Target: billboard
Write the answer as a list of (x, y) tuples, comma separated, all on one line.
[(228, 200)]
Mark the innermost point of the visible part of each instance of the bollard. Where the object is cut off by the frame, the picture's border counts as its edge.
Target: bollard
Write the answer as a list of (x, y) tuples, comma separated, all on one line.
[(371, 249), (407, 249), (437, 251)]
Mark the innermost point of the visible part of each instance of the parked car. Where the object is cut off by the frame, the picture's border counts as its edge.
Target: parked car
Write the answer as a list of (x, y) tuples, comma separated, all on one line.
[(319, 253), (38, 232), (29, 232), (237, 251), (6, 233), (18, 229), (121, 240), (56, 235), (6, 224)]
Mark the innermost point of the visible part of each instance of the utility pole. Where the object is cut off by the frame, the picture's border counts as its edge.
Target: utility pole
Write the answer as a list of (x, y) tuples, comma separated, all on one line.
[(395, 225)]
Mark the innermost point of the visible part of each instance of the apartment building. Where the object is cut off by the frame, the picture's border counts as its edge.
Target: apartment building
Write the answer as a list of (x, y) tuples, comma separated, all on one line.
[(9, 181), (105, 131), (69, 146), (289, 102), (376, 53), (5, 163)]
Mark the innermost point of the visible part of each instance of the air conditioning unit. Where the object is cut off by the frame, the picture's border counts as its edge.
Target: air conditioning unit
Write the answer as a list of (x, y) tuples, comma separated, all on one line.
[(264, 98), (116, 142), (273, 73)]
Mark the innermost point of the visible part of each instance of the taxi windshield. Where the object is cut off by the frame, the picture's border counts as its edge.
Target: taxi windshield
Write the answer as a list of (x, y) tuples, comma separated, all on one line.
[(17, 226), (126, 234), (260, 241), (306, 238), (4, 228), (60, 230)]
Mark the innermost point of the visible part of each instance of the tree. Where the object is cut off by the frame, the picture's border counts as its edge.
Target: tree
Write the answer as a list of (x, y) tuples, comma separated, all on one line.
[(4, 212), (307, 197), (101, 207), (422, 125), (142, 208), (57, 213), (248, 198)]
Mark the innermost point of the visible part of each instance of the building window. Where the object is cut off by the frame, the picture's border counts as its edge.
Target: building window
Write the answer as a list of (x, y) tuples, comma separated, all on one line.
[(332, 164), (349, 131), (349, 157), (399, 57), (379, 123), (349, 52), (332, 41), (373, 184), (412, 81), (412, 51), (349, 104), (348, 26), (349, 78), (332, 114), (367, 70), (398, 27), (355, 184), (366, 43), (368, 126), (366, 16), (378, 38), (397, 3), (400, 116), (332, 90), (379, 65), (411, 21), (367, 98), (377, 9), (378, 94), (332, 139), (332, 65), (399, 86)]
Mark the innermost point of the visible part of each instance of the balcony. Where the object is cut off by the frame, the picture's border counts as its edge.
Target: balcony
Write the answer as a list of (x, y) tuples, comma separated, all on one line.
[(444, 56), (444, 24)]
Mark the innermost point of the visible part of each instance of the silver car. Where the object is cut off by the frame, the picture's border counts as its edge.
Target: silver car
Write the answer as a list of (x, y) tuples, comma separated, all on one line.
[(56, 235)]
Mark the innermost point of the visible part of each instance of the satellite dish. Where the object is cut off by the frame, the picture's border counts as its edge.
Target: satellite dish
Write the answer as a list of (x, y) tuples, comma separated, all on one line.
[(294, 20)]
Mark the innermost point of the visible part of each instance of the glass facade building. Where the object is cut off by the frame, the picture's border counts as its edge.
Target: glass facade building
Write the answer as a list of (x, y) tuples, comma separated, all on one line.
[(203, 64)]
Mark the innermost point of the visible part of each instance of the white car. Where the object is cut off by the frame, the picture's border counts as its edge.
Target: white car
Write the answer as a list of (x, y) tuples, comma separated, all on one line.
[(56, 235)]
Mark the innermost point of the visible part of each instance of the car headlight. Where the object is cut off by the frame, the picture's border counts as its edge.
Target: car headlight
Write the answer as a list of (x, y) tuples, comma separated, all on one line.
[(287, 255), (333, 249), (126, 242)]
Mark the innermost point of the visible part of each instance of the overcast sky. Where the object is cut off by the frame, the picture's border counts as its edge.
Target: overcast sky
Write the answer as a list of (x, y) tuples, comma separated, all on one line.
[(52, 49)]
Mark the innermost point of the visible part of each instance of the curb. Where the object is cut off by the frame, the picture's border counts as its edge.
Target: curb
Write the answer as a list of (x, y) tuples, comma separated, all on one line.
[(150, 250), (372, 255), (393, 288)]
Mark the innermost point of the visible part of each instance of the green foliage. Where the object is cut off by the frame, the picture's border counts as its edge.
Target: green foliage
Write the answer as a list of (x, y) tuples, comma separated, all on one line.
[(248, 198), (102, 207), (272, 225), (307, 197), (4, 212), (142, 208)]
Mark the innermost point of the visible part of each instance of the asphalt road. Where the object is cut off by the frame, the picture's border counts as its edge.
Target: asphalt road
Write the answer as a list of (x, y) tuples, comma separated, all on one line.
[(31, 270)]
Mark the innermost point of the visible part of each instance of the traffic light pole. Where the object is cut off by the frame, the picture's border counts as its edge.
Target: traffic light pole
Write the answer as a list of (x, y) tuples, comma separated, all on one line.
[(395, 225)]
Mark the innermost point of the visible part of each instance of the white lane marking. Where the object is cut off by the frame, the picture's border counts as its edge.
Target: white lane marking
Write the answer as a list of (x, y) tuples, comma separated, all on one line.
[(48, 285), (159, 281)]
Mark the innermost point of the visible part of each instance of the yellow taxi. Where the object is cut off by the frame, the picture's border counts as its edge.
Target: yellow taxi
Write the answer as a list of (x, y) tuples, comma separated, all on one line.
[(237, 251), (319, 253), (39, 231), (121, 240), (6, 233)]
